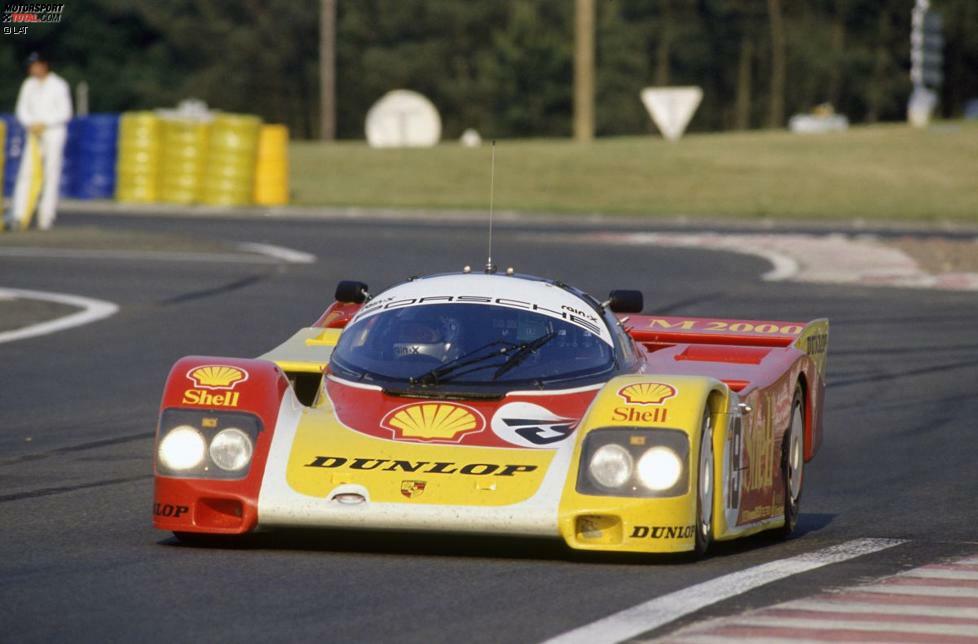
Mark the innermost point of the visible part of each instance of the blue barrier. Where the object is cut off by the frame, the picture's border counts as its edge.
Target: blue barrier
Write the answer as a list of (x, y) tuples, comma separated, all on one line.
[(12, 150), (88, 169), (90, 157)]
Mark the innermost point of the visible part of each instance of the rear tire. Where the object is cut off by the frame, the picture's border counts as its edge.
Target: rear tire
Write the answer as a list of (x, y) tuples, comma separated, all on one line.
[(793, 462), (704, 489)]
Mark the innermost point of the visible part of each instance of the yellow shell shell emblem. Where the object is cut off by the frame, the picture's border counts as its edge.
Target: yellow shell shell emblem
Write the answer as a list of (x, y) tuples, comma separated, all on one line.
[(647, 393), (217, 376), (433, 421)]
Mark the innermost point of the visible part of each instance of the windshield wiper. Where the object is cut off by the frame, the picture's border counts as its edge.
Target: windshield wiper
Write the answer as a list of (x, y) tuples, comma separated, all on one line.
[(514, 359), (453, 367)]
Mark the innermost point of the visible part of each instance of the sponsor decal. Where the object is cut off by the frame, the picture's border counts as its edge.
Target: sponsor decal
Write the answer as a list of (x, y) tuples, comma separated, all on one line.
[(420, 467), (433, 421), (760, 449), (411, 489), (736, 460), (726, 326), (217, 376), (647, 393), (782, 405), (169, 510), (207, 399), (576, 315), (633, 415), (662, 532), (209, 379), (529, 425), (816, 344)]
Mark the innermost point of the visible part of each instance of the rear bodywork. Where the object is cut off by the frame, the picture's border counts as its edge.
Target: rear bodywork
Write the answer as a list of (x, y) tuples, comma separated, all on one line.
[(332, 453)]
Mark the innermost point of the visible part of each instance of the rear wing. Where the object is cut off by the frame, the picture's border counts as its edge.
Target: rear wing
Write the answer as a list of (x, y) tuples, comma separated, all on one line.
[(658, 332)]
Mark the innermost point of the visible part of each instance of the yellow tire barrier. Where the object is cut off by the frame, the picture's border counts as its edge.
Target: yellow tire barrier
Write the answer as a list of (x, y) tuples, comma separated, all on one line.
[(272, 166), (229, 176), (184, 156), (138, 165)]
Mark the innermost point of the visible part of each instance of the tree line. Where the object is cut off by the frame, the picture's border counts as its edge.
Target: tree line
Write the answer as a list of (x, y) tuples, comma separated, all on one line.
[(503, 67)]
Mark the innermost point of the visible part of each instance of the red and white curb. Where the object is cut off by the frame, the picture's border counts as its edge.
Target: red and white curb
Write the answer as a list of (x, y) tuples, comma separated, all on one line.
[(664, 609), (934, 603), (862, 260)]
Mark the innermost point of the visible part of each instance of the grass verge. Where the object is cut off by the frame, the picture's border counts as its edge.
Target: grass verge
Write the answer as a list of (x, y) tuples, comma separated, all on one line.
[(875, 172)]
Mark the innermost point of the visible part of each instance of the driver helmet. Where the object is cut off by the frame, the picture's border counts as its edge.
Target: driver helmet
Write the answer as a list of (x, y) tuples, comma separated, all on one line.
[(426, 333)]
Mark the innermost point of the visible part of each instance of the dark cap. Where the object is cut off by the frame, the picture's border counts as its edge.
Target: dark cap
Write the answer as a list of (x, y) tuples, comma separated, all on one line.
[(36, 57)]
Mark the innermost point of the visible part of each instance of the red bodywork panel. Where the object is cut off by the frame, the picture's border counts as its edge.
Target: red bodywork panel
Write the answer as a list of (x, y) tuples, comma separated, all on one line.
[(337, 315), (753, 358), (759, 360), (219, 506)]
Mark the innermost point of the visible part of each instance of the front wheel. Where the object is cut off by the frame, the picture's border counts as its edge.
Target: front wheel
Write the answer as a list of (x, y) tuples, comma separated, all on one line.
[(793, 462), (704, 489)]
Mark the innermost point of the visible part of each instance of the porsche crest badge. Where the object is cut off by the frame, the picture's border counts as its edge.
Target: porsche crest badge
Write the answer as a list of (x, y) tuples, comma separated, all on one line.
[(411, 489)]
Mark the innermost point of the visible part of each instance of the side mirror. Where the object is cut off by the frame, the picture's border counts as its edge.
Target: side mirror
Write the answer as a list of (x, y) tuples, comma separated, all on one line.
[(622, 301), (351, 292)]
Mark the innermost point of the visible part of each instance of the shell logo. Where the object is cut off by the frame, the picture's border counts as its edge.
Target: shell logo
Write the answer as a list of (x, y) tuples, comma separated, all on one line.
[(217, 376), (647, 393), (433, 421)]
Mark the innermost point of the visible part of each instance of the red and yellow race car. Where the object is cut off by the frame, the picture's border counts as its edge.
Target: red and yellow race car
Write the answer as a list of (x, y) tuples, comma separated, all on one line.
[(499, 404)]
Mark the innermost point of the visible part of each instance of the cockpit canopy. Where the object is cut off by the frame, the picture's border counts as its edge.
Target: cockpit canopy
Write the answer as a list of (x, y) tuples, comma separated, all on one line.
[(482, 330)]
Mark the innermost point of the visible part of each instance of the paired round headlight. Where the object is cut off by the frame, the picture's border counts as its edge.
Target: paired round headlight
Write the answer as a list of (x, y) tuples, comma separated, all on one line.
[(611, 466), (659, 469), (231, 449), (183, 448)]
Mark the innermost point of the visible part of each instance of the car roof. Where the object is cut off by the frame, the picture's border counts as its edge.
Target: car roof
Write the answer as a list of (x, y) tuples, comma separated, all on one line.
[(516, 291)]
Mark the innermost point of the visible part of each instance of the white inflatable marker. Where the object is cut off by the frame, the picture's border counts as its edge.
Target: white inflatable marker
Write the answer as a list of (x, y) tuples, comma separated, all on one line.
[(403, 119), (662, 610), (671, 108)]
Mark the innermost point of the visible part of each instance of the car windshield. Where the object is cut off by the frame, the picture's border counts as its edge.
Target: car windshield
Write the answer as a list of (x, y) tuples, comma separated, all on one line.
[(465, 343)]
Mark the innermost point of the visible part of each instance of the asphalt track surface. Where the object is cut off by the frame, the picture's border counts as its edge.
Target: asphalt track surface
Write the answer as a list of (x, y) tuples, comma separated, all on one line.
[(80, 560)]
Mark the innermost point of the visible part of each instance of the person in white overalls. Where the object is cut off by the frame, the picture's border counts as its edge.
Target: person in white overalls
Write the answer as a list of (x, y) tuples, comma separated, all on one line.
[(44, 109)]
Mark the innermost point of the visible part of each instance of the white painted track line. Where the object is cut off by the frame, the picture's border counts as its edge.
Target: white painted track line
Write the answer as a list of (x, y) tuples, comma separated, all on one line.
[(252, 254), (783, 267), (92, 310), (289, 255), (668, 608)]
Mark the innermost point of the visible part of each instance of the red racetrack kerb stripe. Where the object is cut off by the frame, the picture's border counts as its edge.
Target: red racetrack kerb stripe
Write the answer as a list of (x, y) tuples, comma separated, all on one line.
[(832, 634)]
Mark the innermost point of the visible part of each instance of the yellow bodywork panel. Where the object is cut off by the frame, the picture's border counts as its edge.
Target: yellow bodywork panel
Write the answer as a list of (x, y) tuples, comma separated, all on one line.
[(325, 455), (643, 524), (308, 351), (814, 341)]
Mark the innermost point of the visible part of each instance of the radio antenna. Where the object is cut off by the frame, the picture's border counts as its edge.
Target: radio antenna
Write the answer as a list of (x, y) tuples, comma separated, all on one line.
[(490, 267)]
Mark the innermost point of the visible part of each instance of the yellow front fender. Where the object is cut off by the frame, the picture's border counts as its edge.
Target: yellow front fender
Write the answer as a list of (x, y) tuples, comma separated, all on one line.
[(635, 521)]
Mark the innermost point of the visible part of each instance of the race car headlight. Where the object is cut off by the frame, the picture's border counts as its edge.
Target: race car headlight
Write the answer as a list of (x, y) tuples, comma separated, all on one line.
[(182, 449), (659, 468), (206, 444), (634, 462), (231, 449), (611, 466)]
